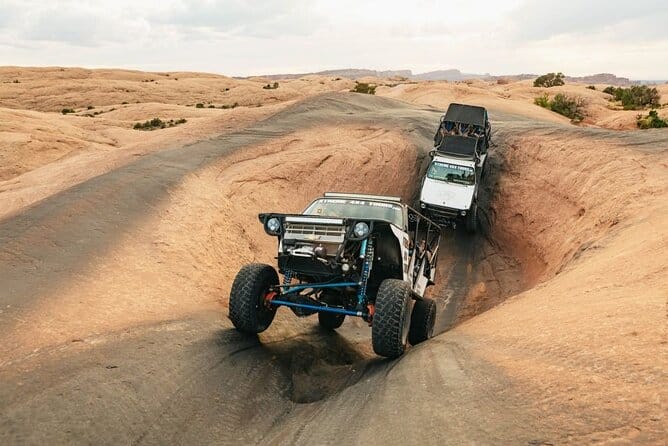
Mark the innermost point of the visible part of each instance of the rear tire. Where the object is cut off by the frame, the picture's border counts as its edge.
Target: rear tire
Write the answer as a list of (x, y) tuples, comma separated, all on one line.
[(247, 309), (391, 320), (472, 219), (422, 321), (330, 321)]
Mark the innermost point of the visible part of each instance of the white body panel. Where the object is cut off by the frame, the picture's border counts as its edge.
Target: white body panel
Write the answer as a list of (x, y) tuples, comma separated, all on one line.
[(450, 195)]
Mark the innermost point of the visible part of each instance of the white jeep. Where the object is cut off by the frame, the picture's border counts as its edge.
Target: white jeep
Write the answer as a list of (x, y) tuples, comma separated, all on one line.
[(449, 190)]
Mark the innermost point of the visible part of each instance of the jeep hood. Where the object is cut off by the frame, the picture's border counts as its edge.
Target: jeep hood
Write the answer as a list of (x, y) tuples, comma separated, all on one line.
[(440, 193)]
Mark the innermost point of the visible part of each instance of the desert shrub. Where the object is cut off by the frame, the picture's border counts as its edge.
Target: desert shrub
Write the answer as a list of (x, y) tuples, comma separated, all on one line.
[(571, 107), (337, 79), (543, 101), (362, 87), (199, 105), (637, 97), (273, 86), (549, 80), (502, 81), (16, 81), (212, 106), (236, 104), (591, 87), (66, 111), (90, 107), (124, 103), (651, 121), (610, 90), (157, 123)]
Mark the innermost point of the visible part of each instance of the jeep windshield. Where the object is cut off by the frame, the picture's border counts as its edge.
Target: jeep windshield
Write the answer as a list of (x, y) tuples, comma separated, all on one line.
[(357, 209), (451, 173)]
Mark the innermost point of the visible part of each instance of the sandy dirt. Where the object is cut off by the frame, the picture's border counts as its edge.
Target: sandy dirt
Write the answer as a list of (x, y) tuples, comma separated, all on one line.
[(116, 265)]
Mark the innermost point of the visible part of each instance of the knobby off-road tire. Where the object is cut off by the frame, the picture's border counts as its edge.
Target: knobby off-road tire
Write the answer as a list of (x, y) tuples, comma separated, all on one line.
[(391, 320), (472, 219), (422, 321), (330, 321), (247, 309)]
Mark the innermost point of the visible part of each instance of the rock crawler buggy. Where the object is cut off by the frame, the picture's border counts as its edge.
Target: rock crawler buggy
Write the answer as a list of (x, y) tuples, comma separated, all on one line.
[(368, 256)]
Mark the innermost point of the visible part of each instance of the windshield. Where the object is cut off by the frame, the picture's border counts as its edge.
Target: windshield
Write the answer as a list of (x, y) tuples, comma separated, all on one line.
[(363, 209), (451, 173)]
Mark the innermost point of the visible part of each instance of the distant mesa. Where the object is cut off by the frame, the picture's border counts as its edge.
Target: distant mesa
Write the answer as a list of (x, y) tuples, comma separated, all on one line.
[(601, 78), (450, 75)]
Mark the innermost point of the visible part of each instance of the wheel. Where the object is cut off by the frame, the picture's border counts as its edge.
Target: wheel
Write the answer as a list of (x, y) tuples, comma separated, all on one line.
[(472, 219), (247, 310), (422, 321), (391, 320), (330, 321)]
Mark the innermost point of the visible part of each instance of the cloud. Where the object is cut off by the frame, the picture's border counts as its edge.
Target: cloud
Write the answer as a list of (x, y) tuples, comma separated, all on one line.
[(254, 18), (263, 36), (538, 21), (72, 22)]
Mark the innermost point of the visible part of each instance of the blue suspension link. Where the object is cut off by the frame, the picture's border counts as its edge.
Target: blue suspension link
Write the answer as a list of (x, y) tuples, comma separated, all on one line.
[(366, 252)]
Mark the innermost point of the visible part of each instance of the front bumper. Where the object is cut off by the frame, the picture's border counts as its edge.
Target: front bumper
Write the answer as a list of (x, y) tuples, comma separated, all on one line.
[(441, 214)]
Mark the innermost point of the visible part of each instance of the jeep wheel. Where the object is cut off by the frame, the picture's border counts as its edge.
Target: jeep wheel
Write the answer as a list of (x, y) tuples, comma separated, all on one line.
[(472, 219), (391, 320), (422, 321), (330, 321), (248, 310)]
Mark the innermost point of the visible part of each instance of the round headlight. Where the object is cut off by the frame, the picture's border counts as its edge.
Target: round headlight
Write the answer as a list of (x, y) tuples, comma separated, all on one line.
[(361, 229), (422, 205), (463, 213), (273, 224)]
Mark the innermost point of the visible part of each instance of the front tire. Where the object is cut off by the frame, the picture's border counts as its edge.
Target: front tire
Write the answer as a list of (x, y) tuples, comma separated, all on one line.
[(248, 310), (391, 320), (422, 321), (472, 219)]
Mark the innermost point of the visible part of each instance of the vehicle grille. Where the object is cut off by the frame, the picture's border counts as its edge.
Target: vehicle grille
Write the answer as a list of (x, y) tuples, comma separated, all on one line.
[(441, 213), (315, 232)]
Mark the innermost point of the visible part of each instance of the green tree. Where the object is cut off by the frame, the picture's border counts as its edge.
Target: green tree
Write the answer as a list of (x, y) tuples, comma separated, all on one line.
[(549, 80)]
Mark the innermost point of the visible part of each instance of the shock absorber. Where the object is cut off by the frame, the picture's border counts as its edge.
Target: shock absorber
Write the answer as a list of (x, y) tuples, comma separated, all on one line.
[(366, 251), (287, 277)]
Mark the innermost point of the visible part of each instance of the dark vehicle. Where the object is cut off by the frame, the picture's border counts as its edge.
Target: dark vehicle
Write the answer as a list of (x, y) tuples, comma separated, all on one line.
[(465, 120), (368, 256)]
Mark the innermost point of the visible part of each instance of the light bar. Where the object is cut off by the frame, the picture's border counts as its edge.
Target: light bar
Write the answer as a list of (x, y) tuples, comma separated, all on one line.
[(315, 220), (362, 196)]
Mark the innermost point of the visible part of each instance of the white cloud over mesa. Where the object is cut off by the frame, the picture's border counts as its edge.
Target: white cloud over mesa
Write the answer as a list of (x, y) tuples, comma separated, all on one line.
[(263, 36)]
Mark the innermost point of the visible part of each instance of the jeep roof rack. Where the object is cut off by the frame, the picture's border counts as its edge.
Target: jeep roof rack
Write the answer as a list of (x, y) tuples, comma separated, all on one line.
[(467, 114), (362, 196), (459, 146)]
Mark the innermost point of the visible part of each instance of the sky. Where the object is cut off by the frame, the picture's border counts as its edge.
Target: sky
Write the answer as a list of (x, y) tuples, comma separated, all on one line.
[(243, 38)]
